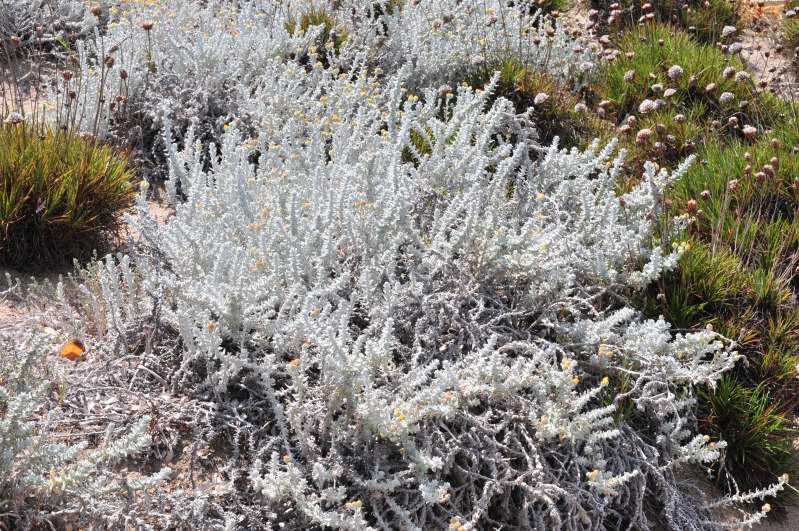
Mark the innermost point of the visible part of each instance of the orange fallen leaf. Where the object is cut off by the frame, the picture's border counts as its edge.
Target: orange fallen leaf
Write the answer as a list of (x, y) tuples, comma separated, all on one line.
[(73, 350)]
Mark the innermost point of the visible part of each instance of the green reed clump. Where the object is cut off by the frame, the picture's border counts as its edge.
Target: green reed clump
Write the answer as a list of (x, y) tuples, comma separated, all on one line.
[(60, 195), (672, 96)]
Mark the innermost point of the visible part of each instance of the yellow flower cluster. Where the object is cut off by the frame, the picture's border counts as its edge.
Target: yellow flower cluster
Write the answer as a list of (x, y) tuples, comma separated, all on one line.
[(355, 504), (455, 523), (681, 247)]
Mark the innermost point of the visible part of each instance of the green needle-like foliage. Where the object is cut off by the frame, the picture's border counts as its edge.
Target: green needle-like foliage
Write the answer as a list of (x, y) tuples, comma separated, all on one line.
[(741, 199), (60, 195), (655, 49), (705, 22), (753, 428)]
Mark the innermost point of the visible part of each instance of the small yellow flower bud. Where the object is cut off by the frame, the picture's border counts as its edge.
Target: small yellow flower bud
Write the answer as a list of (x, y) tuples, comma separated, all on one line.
[(355, 504), (604, 351)]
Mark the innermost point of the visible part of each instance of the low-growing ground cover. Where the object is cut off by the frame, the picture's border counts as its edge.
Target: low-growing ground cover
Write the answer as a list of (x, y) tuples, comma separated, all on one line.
[(402, 286), (736, 207), (706, 20)]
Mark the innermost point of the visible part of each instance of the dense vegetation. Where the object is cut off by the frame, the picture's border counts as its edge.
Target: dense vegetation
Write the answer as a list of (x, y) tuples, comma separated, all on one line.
[(737, 209), (60, 196), (432, 264)]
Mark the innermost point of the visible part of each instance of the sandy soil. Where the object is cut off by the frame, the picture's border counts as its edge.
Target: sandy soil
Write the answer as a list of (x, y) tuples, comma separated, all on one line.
[(18, 82), (760, 40), (9, 314)]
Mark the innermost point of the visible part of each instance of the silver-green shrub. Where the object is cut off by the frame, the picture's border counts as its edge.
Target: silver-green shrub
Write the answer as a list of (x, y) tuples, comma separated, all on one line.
[(427, 337), (200, 62), (42, 22), (184, 61), (450, 41), (398, 309), (38, 474)]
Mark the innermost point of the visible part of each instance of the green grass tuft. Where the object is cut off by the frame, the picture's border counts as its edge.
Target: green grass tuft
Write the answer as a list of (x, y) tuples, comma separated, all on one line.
[(654, 49), (790, 25), (59, 196), (742, 201), (759, 436), (331, 33)]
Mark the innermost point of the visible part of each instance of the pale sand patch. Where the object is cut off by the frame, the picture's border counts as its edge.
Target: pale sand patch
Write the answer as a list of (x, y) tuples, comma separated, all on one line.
[(760, 39)]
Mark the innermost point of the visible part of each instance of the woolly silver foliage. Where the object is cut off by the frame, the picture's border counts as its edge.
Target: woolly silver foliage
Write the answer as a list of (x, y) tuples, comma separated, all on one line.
[(388, 304)]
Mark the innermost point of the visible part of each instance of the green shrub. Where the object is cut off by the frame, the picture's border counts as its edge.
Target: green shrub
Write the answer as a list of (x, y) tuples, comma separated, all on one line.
[(707, 23), (738, 277), (754, 218), (548, 6), (741, 197), (709, 103), (707, 285), (385, 7), (59, 196), (759, 436), (649, 51)]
